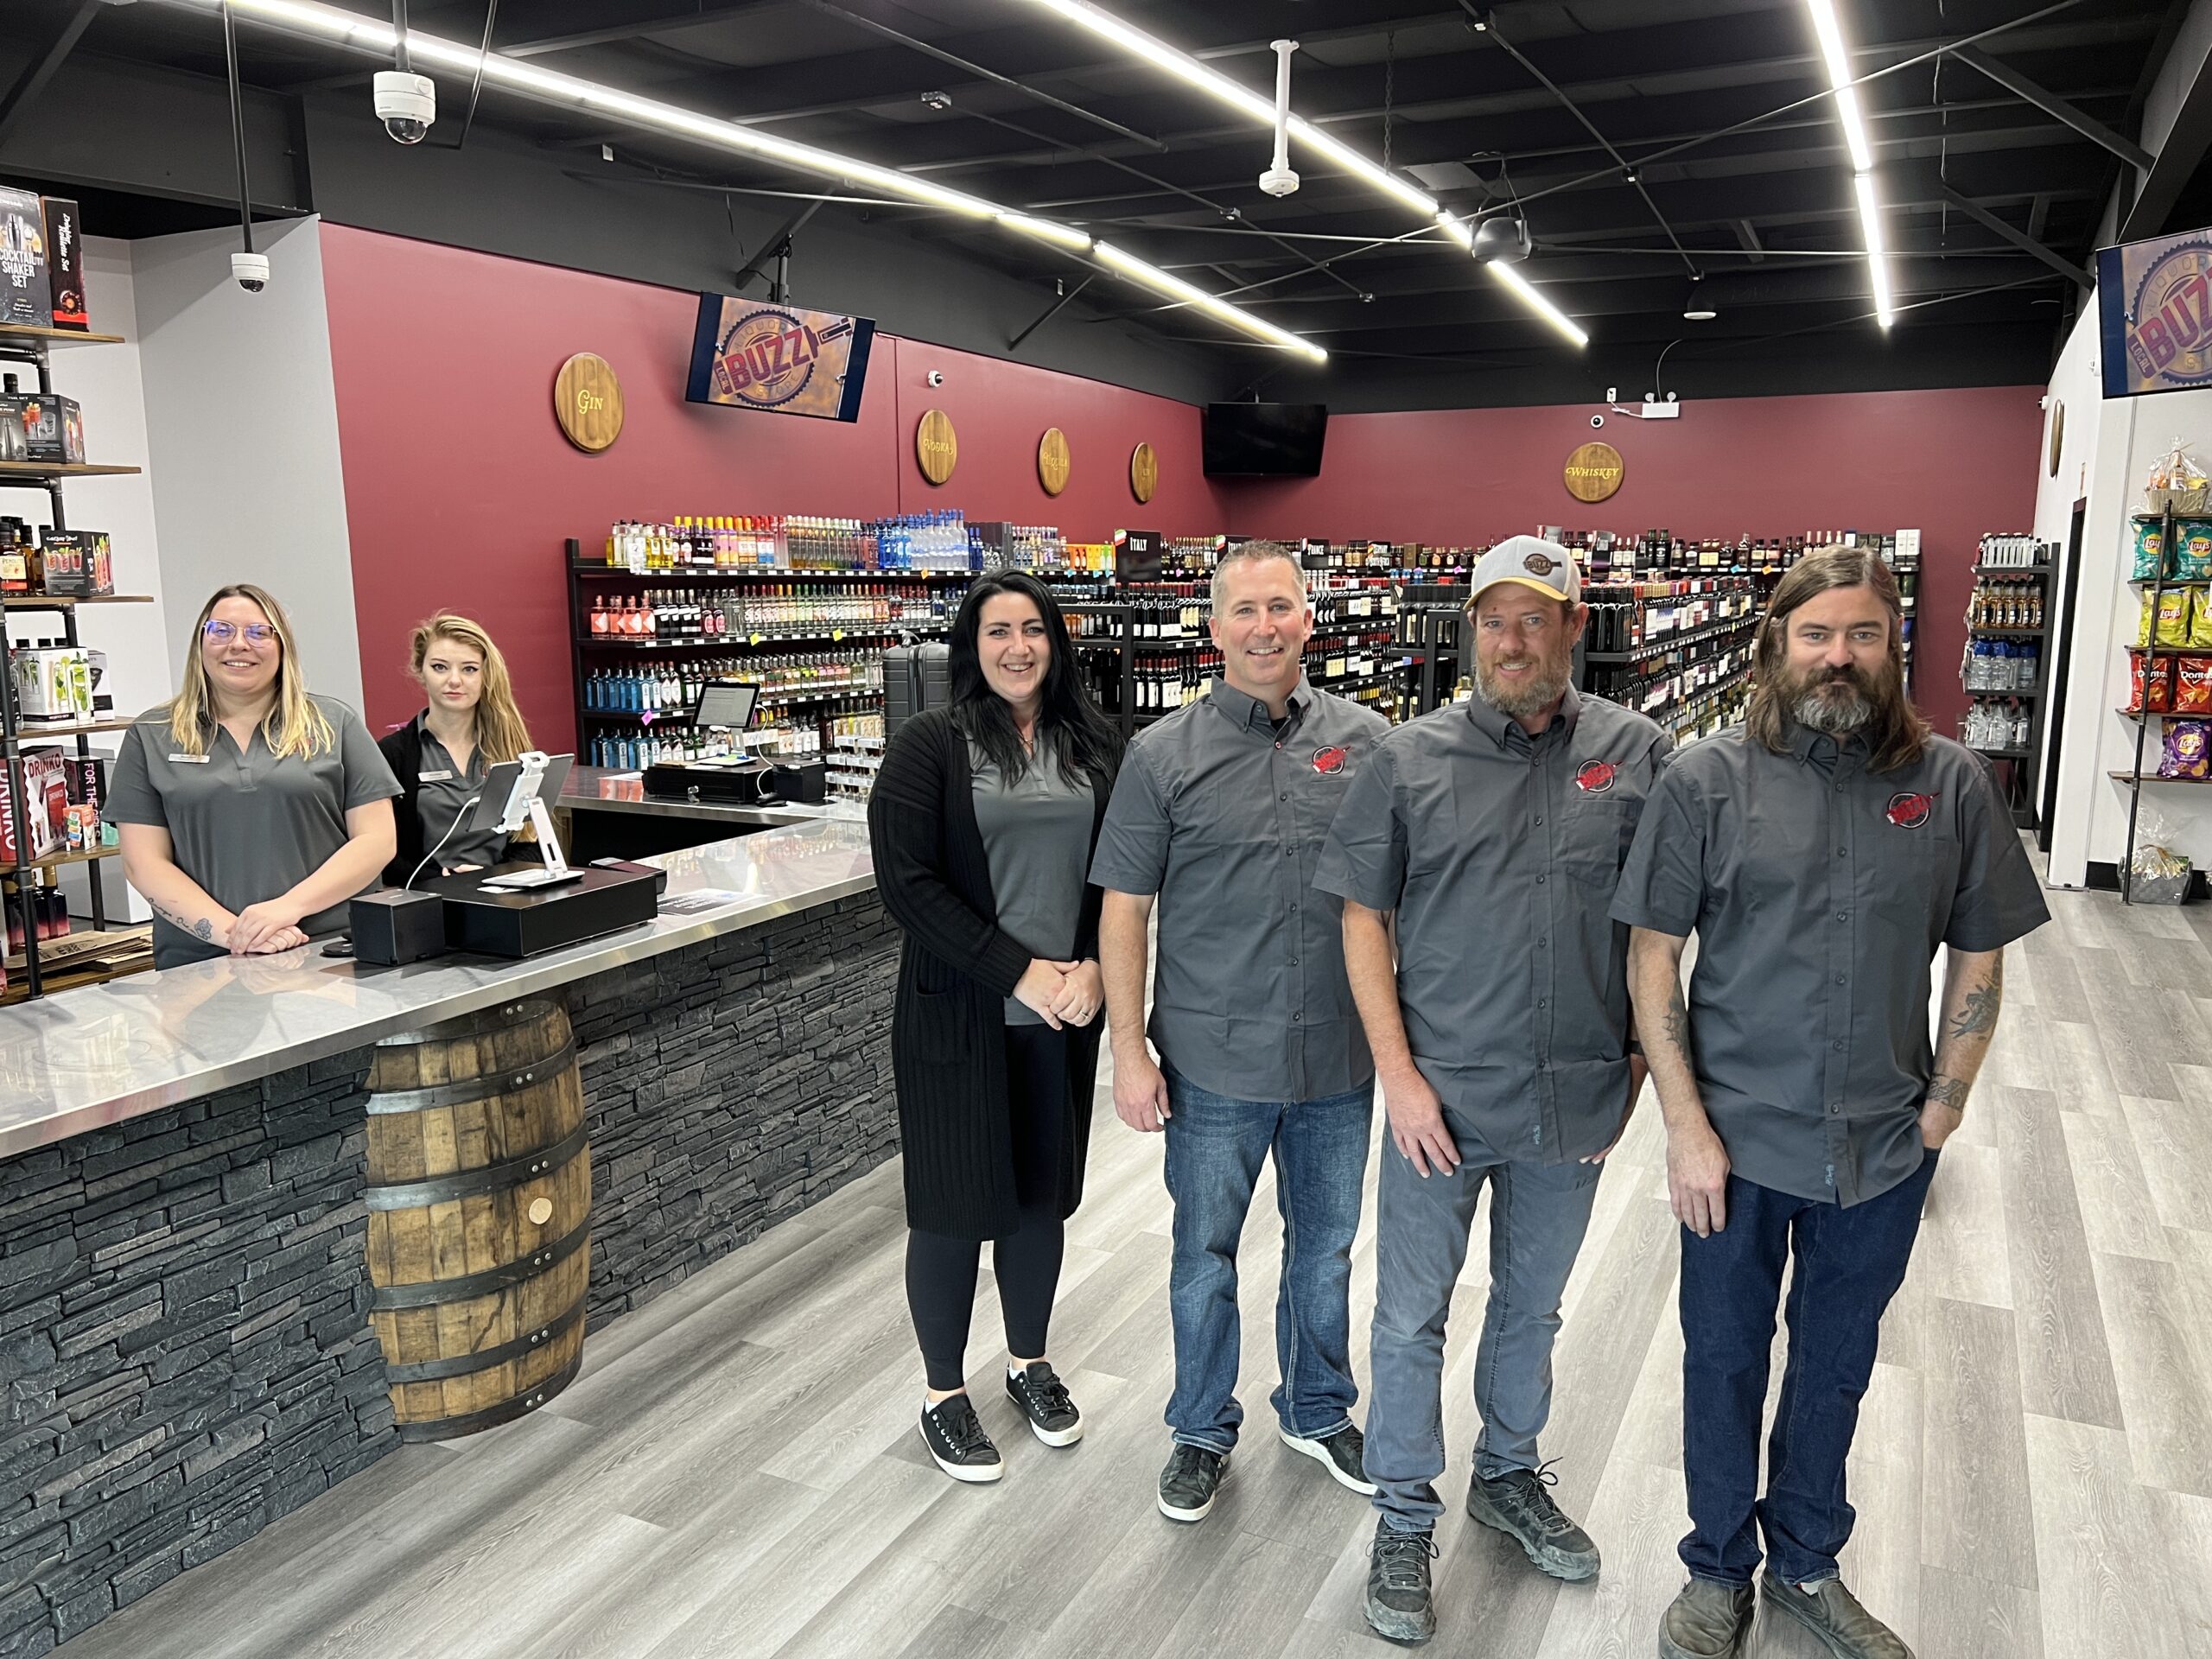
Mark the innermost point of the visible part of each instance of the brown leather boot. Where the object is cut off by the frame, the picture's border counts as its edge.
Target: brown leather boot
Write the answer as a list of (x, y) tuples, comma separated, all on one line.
[(1832, 1613), (1708, 1620)]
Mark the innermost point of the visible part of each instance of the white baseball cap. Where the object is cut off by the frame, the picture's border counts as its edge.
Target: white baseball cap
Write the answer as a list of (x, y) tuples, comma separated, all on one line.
[(1546, 566)]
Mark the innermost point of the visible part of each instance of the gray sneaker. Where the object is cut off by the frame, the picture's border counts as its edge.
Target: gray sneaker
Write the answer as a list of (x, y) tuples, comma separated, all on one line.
[(1397, 1584), (1344, 1454), (1708, 1620), (1833, 1614), (1518, 1505), (1189, 1481)]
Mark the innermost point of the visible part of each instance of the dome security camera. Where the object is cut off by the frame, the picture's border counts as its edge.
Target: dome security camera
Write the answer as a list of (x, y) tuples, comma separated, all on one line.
[(250, 271), (407, 104), (1597, 419), (936, 377)]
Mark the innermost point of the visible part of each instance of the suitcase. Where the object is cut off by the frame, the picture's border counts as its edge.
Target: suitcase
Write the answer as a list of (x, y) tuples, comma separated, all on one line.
[(915, 679)]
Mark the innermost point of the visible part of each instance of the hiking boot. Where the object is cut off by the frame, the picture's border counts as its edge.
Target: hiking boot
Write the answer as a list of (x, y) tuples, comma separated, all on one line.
[(1398, 1605), (1519, 1505), (1344, 1454), (956, 1439), (1708, 1620), (1037, 1388), (1833, 1614), (1189, 1481)]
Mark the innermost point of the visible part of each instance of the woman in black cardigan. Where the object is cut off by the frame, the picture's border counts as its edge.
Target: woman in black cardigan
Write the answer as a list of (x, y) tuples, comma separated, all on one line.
[(983, 821)]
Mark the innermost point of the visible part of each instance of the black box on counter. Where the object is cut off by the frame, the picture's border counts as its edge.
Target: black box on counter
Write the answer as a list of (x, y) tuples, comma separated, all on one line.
[(51, 428), (26, 293), (65, 263), (76, 564)]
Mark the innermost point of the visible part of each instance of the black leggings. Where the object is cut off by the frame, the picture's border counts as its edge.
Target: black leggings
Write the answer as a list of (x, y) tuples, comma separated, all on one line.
[(941, 1271)]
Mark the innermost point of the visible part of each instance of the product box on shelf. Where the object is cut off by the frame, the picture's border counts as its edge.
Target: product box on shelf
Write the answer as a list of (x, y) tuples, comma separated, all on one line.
[(76, 564), (53, 683), (65, 260), (46, 806), (52, 428), (26, 297)]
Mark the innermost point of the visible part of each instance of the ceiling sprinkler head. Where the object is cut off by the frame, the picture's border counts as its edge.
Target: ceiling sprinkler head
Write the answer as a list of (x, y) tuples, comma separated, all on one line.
[(937, 101)]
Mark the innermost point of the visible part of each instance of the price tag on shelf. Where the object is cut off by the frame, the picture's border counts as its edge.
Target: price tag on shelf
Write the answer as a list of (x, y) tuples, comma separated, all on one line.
[(755, 639)]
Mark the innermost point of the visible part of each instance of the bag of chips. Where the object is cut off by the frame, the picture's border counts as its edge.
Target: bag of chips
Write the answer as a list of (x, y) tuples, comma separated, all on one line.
[(2192, 555), (2176, 613), (2200, 617), (2193, 685), (2160, 674), (2150, 563), (2188, 749)]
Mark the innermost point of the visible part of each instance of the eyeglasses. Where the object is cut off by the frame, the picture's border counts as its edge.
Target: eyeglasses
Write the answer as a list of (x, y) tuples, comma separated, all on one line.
[(220, 633)]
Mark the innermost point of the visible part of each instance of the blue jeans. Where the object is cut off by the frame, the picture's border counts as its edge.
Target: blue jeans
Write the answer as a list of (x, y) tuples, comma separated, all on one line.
[(1215, 1146), (1850, 1263), (1538, 1215)]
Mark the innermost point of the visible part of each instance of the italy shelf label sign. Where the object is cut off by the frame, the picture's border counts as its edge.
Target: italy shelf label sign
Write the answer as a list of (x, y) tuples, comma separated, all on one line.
[(2154, 301), (751, 354)]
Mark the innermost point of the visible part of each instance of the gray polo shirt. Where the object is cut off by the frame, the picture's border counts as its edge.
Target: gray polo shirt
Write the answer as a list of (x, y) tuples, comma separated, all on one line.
[(1225, 819), (1036, 836), (1499, 852), (444, 789), (1819, 892), (247, 826)]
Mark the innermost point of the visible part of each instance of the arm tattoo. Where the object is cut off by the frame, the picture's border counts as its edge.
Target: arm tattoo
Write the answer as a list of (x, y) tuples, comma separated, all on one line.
[(1678, 1020), (1979, 1017), (199, 928), (1947, 1091)]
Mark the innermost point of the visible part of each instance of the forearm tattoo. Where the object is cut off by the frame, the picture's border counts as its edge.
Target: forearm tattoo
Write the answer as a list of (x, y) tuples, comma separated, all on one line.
[(200, 927), (1947, 1091), (1678, 1020), (1979, 1017)]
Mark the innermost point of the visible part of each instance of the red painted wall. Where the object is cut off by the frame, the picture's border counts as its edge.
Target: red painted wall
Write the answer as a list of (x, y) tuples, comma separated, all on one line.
[(1954, 464), (460, 489)]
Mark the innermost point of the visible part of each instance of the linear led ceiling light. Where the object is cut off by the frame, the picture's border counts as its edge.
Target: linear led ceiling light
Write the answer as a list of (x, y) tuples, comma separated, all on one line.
[(1829, 28), (1153, 276), (1156, 52), (367, 34), (1511, 276)]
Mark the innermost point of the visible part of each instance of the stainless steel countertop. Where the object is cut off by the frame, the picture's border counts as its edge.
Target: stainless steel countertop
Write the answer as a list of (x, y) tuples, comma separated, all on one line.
[(107, 1053), (599, 789)]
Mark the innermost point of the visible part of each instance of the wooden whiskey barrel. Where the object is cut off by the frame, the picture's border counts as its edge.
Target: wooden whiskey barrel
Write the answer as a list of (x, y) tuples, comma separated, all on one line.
[(480, 1216)]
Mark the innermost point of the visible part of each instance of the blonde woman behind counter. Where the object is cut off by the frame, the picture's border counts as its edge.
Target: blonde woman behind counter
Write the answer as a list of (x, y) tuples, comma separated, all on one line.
[(251, 811)]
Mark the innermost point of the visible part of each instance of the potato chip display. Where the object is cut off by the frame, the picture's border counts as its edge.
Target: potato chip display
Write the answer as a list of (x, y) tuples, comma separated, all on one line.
[(2200, 617), (2193, 685), (2150, 551), (2192, 554), (2161, 677), (2188, 749), (2176, 613)]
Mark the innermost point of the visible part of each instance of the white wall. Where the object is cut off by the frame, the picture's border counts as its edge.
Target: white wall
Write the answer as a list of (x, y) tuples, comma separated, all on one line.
[(242, 423)]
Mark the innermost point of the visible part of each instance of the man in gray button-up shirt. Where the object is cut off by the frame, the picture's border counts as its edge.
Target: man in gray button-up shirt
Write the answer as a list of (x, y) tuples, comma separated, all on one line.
[(1486, 839), (1220, 812), (1821, 853)]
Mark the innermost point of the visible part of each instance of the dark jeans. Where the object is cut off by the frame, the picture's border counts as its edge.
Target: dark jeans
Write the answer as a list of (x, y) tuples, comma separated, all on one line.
[(1217, 1147), (941, 1271), (1850, 1263)]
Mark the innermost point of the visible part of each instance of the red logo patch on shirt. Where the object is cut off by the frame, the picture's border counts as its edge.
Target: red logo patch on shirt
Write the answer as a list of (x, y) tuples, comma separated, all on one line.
[(1329, 761), (1594, 777), (1909, 811)]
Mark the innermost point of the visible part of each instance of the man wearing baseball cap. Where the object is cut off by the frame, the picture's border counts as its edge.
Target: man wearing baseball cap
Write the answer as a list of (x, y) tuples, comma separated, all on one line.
[(1486, 839)]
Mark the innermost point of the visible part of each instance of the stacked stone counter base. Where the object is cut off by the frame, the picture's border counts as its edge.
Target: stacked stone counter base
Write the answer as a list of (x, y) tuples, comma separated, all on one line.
[(184, 1338)]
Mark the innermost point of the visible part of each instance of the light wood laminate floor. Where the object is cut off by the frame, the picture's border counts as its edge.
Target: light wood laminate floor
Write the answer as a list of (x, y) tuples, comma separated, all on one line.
[(737, 1473)]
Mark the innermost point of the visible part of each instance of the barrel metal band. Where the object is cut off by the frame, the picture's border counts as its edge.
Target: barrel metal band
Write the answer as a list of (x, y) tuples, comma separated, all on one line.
[(434, 1370), (433, 1293), (385, 1103), (474, 1183), (449, 1428)]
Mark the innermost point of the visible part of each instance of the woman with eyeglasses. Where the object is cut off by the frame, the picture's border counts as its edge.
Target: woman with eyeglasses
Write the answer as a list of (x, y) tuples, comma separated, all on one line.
[(251, 811), (470, 724)]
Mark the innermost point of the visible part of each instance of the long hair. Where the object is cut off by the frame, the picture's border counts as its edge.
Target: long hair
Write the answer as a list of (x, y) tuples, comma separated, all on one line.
[(501, 733), (1069, 726), (1896, 734), (293, 728)]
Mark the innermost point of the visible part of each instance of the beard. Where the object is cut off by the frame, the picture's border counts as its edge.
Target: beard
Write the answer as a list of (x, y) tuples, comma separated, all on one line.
[(1529, 696), (1839, 701)]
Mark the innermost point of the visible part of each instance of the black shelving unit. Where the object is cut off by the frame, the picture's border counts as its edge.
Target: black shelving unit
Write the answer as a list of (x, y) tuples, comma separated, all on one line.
[(33, 345), (2023, 761), (2150, 651)]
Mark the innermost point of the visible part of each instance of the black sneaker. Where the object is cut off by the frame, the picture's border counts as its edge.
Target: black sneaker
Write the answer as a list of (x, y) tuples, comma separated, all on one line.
[(1833, 1614), (1189, 1481), (1343, 1454), (1707, 1620), (1517, 1505), (1043, 1398), (1398, 1605), (956, 1441)]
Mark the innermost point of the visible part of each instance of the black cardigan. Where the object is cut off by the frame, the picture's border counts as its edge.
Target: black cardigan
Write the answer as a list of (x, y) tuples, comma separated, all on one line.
[(955, 970), (402, 753)]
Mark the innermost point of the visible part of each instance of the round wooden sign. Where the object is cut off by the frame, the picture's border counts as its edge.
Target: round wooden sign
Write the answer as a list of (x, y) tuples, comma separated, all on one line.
[(1593, 472), (588, 402), (936, 449), (1144, 473), (2057, 434), (1053, 461)]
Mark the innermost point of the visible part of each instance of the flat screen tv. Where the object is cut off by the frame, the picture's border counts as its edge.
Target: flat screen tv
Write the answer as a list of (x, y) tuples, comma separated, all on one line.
[(1264, 440)]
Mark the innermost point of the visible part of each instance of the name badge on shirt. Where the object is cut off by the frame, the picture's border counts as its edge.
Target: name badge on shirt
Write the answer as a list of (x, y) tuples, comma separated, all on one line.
[(189, 759), (443, 775)]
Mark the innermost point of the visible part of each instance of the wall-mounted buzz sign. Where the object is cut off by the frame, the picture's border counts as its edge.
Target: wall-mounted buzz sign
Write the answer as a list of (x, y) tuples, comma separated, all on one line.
[(588, 402)]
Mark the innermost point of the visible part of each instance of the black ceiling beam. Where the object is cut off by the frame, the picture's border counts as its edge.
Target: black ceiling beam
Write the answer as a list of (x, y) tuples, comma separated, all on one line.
[(46, 58), (2019, 239), (657, 17), (2053, 105), (2179, 156)]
